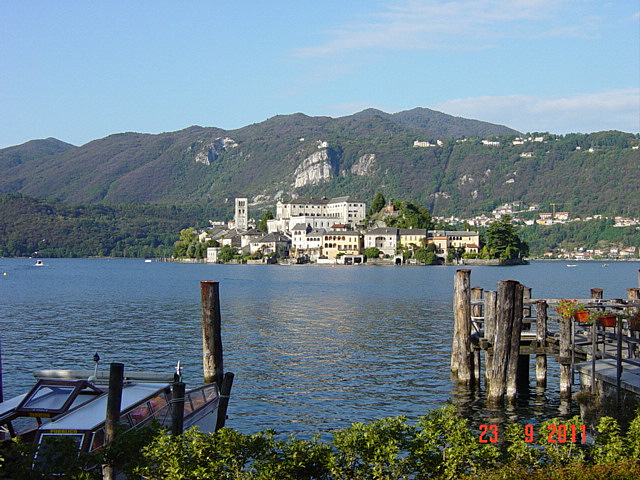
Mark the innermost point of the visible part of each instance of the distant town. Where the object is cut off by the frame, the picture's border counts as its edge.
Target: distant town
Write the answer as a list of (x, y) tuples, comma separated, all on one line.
[(331, 231), (339, 231), (522, 214)]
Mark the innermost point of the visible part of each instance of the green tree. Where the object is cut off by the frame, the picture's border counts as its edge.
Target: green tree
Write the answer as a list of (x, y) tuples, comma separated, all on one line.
[(227, 253), (503, 242), (378, 204), (372, 252), (262, 224), (410, 215)]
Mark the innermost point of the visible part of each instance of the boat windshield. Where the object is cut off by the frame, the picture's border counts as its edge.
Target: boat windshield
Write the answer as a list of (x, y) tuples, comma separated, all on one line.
[(51, 397)]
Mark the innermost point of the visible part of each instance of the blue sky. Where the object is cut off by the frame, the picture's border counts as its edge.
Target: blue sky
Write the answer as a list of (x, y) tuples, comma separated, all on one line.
[(78, 71)]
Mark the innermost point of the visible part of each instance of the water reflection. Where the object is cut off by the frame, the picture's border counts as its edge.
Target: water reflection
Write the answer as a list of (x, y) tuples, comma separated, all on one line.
[(313, 348)]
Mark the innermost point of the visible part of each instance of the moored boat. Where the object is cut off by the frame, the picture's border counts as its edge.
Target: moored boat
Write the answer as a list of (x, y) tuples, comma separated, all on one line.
[(72, 404)]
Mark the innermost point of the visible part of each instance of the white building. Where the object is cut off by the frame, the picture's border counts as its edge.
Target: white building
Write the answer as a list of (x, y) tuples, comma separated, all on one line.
[(384, 239), (319, 212)]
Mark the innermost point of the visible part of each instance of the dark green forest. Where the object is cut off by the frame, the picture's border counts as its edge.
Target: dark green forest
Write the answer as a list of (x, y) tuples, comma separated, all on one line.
[(30, 227)]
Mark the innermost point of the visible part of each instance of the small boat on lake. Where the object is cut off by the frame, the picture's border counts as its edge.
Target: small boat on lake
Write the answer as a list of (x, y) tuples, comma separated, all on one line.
[(571, 265), (39, 263), (72, 404)]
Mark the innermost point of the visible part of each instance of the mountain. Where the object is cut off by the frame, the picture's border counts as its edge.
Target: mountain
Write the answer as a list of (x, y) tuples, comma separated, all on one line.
[(457, 166)]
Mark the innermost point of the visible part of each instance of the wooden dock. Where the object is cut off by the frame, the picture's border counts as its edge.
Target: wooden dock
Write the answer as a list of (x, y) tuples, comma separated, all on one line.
[(508, 326)]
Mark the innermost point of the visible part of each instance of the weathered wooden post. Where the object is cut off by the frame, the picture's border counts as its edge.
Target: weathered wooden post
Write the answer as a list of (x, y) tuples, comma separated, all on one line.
[(461, 347), (225, 391), (211, 332), (514, 366), (502, 345), (114, 404), (526, 307), (564, 357), (541, 340), (524, 360), (596, 294), (490, 312), (633, 294), (476, 311), (177, 408)]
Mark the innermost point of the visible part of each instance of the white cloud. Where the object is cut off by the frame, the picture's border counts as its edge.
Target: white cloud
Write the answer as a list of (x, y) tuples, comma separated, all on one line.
[(589, 112), (458, 24)]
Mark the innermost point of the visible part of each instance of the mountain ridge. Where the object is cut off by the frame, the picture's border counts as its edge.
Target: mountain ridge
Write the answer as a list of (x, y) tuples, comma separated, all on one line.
[(450, 170)]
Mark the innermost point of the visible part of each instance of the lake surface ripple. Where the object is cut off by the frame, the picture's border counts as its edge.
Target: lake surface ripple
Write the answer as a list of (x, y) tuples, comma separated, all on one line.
[(313, 348)]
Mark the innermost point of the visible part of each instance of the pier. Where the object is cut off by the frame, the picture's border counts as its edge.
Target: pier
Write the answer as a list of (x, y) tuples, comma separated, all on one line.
[(508, 325)]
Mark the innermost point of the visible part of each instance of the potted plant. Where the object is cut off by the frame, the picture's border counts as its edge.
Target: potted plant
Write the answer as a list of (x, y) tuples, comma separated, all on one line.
[(603, 318), (571, 308)]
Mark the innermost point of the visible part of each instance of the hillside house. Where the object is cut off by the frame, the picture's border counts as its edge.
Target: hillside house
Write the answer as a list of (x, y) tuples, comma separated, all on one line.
[(444, 240), (272, 243), (347, 243), (411, 238), (384, 239)]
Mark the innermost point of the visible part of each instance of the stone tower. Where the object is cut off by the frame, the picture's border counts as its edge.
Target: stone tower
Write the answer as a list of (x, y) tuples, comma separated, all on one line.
[(242, 213)]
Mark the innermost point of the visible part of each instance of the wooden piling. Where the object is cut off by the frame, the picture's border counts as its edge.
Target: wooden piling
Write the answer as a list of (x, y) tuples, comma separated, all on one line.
[(564, 357), (596, 294), (633, 293), (514, 366), (502, 344), (525, 360), (177, 408), (490, 312), (225, 392), (461, 348), (211, 332), (526, 307), (476, 311), (541, 340), (114, 404)]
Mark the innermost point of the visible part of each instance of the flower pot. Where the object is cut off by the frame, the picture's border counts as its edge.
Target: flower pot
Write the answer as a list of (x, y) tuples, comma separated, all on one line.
[(634, 323), (607, 321), (581, 316)]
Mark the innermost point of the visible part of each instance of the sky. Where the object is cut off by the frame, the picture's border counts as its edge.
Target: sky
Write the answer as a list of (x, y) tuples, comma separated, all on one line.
[(79, 71)]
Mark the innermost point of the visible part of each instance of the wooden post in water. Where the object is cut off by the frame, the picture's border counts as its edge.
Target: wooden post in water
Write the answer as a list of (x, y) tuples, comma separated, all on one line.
[(225, 392), (462, 327), (515, 360), (177, 408), (502, 345), (476, 311), (526, 307), (596, 294), (564, 357), (114, 404), (211, 332), (633, 294), (490, 312), (541, 340), (524, 360)]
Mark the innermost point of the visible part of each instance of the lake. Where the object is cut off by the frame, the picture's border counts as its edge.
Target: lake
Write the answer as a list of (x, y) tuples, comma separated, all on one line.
[(314, 348)]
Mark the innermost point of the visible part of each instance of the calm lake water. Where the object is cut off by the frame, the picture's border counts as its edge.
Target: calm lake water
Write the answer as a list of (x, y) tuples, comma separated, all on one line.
[(313, 348)]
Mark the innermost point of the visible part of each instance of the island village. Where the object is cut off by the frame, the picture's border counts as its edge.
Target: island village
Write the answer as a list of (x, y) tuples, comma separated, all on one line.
[(334, 231), (330, 231)]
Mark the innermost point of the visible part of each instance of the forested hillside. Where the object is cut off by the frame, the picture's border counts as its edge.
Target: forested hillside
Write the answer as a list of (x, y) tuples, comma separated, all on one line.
[(458, 166), (54, 229)]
